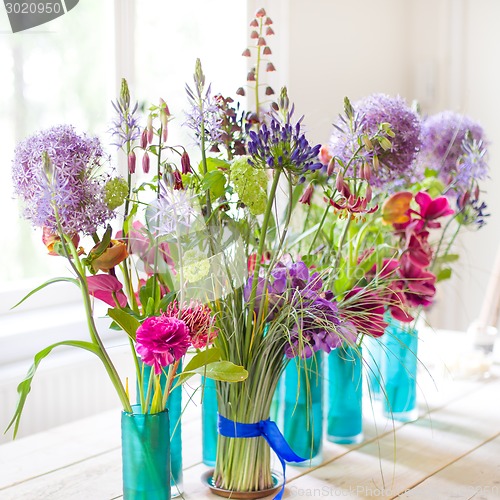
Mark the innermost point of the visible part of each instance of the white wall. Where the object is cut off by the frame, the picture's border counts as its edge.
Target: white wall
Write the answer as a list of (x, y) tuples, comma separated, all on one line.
[(444, 53)]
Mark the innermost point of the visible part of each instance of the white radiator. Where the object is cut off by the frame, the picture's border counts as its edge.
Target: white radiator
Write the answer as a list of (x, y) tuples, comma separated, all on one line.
[(67, 386)]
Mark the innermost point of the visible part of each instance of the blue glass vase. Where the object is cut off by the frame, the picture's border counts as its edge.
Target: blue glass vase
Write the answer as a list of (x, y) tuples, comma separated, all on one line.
[(345, 391), (174, 406), (209, 421), (302, 413), (372, 365), (399, 372), (145, 455)]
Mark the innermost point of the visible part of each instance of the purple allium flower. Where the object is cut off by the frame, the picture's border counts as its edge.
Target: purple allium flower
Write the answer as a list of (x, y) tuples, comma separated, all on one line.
[(58, 168), (283, 145), (454, 146), (396, 163), (171, 212), (161, 340)]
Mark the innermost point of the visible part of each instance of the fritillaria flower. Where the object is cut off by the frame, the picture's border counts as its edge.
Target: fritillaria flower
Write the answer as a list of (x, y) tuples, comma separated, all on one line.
[(162, 340)]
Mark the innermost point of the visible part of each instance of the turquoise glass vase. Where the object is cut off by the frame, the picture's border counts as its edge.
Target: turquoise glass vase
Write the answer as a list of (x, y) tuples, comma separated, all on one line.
[(302, 413), (372, 365), (145, 455), (399, 372), (174, 406), (345, 391), (209, 421)]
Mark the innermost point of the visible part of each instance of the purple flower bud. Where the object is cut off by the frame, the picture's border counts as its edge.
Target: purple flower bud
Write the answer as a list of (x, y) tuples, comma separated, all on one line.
[(186, 163), (261, 42), (178, 180), (269, 91), (131, 162), (307, 195), (260, 13), (270, 67), (150, 129), (240, 91), (269, 31), (254, 23), (331, 167), (246, 53), (267, 50), (268, 22), (254, 35), (144, 138), (145, 162)]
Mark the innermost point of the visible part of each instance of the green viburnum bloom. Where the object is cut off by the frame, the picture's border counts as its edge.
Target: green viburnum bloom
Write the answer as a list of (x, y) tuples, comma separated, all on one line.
[(250, 184), (196, 266), (115, 192)]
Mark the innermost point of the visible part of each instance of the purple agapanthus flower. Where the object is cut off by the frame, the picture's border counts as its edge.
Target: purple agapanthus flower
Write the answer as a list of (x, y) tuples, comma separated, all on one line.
[(396, 163), (57, 168), (316, 321), (283, 145), (454, 146)]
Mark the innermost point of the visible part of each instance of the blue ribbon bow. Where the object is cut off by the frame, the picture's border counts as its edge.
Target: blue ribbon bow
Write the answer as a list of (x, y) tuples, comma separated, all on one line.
[(270, 432)]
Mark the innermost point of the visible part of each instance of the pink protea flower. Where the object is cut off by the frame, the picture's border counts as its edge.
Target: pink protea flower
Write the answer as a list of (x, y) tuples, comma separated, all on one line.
[(199, 319), (161, 340)]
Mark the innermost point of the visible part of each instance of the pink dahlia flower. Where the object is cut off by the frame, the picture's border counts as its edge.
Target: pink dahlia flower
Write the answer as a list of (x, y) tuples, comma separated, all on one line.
[(161, 340)]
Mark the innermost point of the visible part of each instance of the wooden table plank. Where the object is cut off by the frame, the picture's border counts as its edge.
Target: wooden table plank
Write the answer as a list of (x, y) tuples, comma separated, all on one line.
[(474, 475), (82, 460)]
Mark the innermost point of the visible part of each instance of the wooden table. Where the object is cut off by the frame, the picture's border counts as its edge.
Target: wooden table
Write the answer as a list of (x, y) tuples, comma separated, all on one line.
[(452, 451)]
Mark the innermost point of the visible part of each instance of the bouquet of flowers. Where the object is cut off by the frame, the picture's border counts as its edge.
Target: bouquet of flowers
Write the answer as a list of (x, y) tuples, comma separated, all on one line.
[(269, 249)]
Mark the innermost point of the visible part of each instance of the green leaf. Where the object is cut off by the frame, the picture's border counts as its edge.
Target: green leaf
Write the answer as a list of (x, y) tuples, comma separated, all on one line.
[(47, 283), (429, 172), (225, 371), (451, 257), (215, 181), (166, 300), (203, 358), (127, 322), (24, 387), (443, 274), (213, 164), (149, 291), (127, 225)]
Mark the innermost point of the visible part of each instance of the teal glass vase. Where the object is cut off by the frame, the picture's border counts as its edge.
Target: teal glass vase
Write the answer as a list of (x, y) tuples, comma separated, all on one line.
[(372, 365), (174, 406), (345, 391), (399, 372), (209, 421), (301, 418), (145, 455)]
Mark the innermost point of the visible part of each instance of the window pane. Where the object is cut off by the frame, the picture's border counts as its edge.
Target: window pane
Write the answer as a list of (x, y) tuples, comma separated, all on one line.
[(60, 72)]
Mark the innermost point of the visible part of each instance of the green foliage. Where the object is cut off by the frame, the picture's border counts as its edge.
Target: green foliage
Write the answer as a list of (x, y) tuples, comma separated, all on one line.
[(24, 387), (127, 322)]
